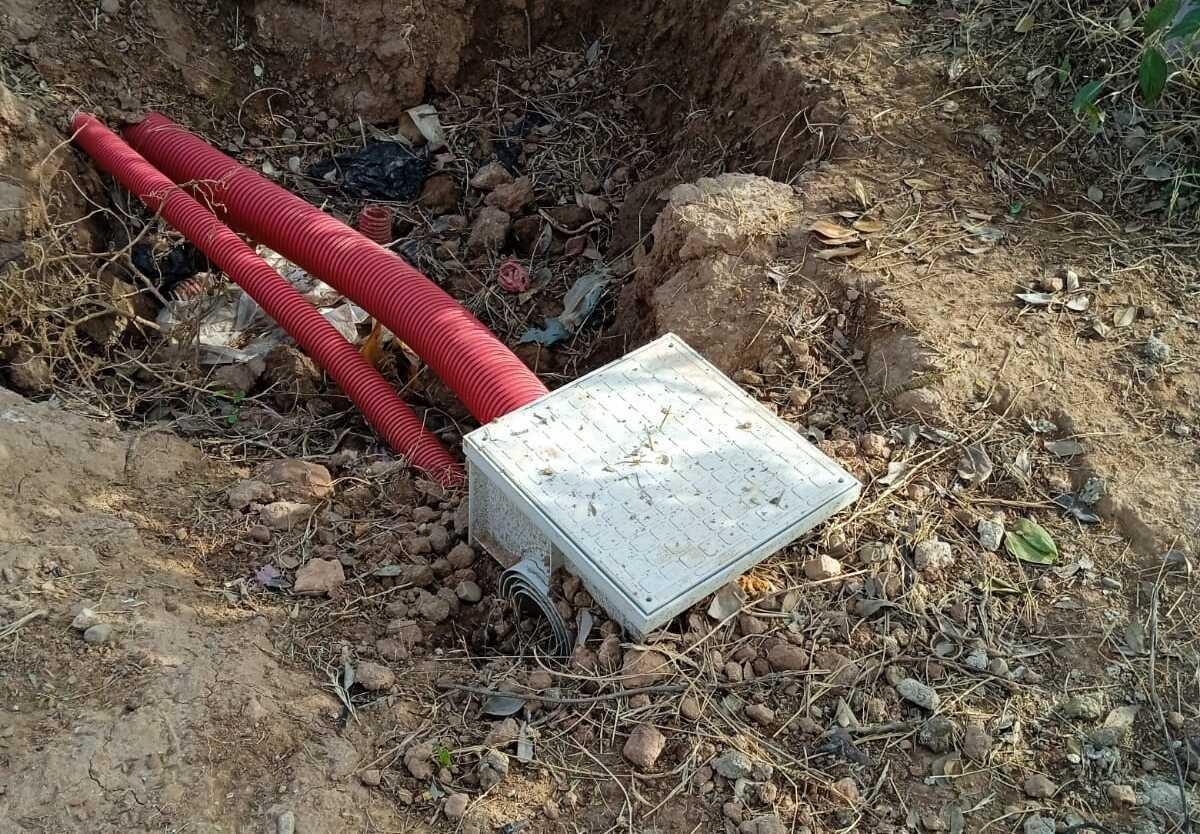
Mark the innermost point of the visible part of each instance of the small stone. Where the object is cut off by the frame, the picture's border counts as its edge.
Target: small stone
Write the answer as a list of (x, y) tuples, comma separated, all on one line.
[(246, 492), (493, 768), (461, 556), (1037, 786), (990, 533), (998, 666), (1085, 707), (417, 760), (733, 765), (842, 671), (319, 576), (85, 619), (260, 533), (285, 823), (689, 707), (298, 480), (439, 538), (439, 195), (1122, 796), (1175, 719), (425, 515), (97, 634), (371, 777), (765, 824), (502, 733), (284, 515), (1156, 351), (513, 196), (539, 679), (847, 789), (976, 659), (874, 446), (760, 714), (644, 667), (977, 742), (374, 677), (433, 608), (551, 810), (491, 175), (644, 745), (937, 734), (490, 230), (915, 692), (822, 567), (732, 811), (750, 626), (392, 650), (933, 555), (468, 592), (417, 545), (456, 806), (1037, 824), (784, 657), (110, 7)]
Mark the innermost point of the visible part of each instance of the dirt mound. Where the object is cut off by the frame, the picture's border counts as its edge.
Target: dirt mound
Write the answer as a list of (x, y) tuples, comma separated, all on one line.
[(706, 277)]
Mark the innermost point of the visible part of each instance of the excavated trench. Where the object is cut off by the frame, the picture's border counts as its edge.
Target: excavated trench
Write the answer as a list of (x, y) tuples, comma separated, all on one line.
[(287, 85)]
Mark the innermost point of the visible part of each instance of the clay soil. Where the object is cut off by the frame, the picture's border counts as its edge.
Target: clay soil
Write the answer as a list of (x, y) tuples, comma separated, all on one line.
[(794, 189)]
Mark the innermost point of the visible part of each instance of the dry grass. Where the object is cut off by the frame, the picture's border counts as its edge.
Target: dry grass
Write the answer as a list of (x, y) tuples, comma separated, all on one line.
[(1142, 160)]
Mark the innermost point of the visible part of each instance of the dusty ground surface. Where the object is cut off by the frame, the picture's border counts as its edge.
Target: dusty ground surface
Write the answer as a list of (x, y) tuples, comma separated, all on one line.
[(225, 608)]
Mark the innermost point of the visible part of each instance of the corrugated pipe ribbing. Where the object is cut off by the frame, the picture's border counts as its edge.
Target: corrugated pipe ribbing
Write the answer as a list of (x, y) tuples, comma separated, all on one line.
[(489, 379), (378, 402), (375, 223)]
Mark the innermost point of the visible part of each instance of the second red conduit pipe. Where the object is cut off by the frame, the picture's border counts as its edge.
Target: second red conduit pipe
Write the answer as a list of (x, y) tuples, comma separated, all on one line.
[(489, 379), (377, 400)]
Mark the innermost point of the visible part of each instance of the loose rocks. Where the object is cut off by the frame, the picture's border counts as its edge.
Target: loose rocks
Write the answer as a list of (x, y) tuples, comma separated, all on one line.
[(374, 677), (915, 692), (319, 576), (932, 555), (644, 745), (822, 567)]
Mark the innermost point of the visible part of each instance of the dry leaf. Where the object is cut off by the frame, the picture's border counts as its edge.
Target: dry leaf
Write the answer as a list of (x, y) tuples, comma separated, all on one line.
[(839, 252), (860, 191), (833, 231), (1124, 316), (920, 184), (867, 225), (1079, 303), (1024, 25)]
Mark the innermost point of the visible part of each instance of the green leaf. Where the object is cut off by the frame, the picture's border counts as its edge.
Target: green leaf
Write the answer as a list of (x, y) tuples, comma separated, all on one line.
[(1087, 95), (1187, 27), (1064, 70), (1029, 542), (1152, 76), (1159, 16)]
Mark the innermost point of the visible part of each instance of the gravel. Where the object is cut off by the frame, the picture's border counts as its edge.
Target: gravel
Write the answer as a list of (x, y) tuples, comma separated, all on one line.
[(99, 633), (990, 533), (915, 692), (733, 764), (644, 745), (933, 555)]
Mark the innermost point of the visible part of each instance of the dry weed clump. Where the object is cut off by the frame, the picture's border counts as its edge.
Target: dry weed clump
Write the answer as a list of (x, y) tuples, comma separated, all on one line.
[(1117, 85)]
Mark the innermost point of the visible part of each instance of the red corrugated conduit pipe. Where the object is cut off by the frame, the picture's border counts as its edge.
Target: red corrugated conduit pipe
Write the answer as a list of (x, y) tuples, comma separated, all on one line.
[(481, 371), (378, 402), (375, 223)]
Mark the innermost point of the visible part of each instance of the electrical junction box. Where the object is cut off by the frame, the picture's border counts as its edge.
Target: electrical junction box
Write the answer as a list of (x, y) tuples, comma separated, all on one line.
[(655, 480)]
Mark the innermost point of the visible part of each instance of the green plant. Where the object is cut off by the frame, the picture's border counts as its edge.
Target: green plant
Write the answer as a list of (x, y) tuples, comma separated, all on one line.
[(1153, 68)]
